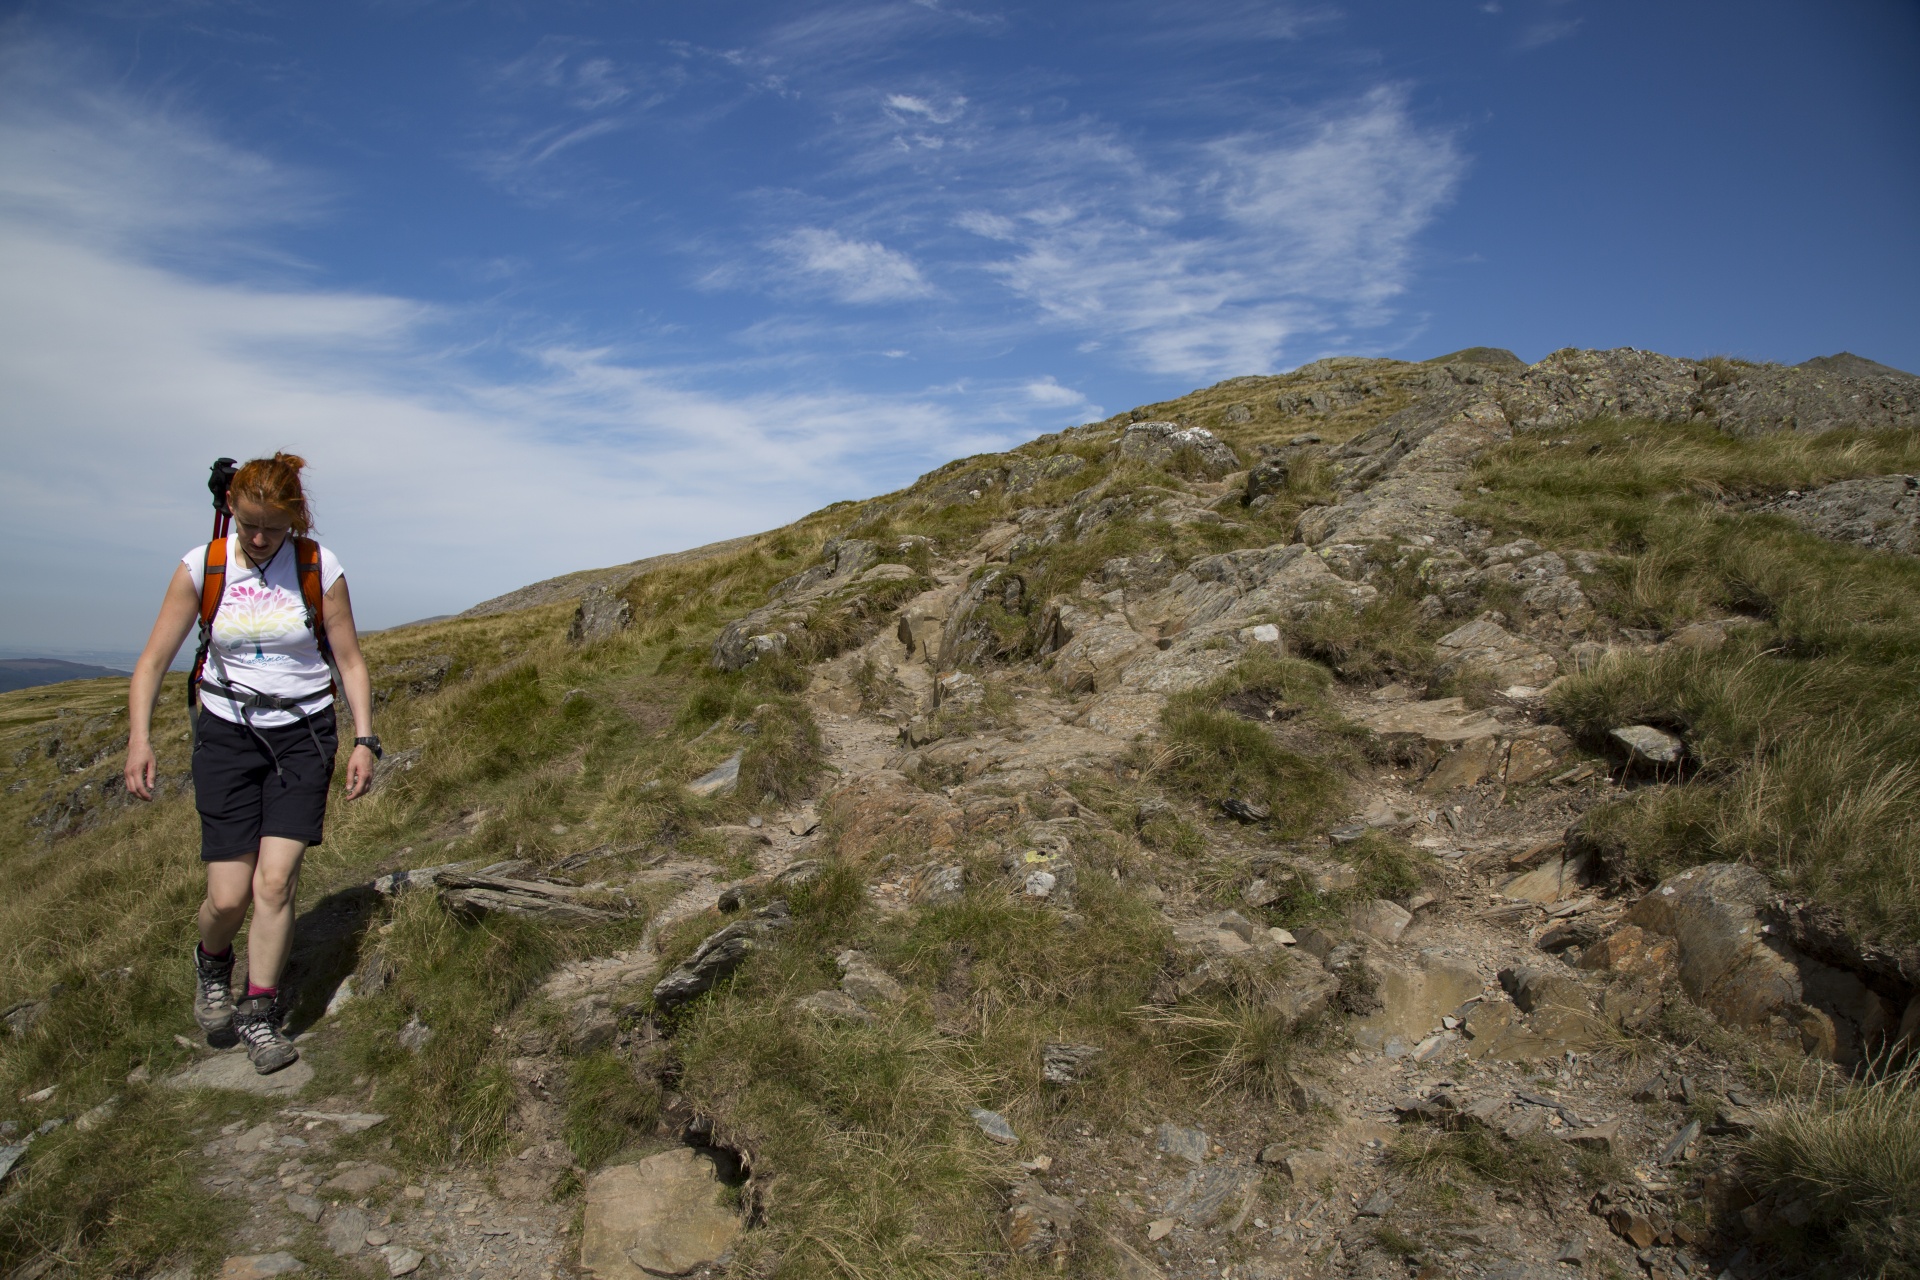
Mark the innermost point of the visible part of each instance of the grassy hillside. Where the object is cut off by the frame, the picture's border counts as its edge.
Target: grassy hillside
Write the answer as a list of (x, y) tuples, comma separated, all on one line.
[(517, 745)]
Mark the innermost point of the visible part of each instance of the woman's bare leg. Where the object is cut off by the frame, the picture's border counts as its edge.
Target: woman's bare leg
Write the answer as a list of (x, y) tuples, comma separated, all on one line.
[(276, 880), (229, 893)]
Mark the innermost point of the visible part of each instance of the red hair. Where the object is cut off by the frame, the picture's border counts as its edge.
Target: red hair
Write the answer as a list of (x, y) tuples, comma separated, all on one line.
[(275, 482)]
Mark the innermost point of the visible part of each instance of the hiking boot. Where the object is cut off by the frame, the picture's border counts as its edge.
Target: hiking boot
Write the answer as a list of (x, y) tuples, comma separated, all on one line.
[(212, 992), (267, 1049)]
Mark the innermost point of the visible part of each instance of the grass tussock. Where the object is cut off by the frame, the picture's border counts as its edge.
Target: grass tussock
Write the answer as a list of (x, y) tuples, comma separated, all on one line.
[(861, 1139), (1851, 1153), (461, 980), (1804, 727), (609, 1104), (1212, 754), (1386, 640), (1445, 1165), (1236, 1044), (786, 754), (865, 1158)]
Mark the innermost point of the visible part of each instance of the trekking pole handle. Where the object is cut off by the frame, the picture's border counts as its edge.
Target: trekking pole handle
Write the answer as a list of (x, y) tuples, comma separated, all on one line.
[(219, 482)]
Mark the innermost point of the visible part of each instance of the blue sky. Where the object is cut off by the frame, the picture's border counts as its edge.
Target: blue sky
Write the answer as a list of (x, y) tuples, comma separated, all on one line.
[(541, 287)]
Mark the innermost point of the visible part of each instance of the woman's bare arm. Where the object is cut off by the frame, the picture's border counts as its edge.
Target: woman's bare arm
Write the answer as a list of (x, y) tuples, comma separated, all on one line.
[(179, 610), (344, 639)]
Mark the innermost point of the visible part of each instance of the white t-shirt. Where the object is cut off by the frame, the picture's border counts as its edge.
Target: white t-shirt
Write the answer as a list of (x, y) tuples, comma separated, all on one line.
[(260, 639)]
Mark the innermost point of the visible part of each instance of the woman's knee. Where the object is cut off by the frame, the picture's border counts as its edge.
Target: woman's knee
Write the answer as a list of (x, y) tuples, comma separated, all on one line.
[(228, 896), (226, 905), (273, 887)]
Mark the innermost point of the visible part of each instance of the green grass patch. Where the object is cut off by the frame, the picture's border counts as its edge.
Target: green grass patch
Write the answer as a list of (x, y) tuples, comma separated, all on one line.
[(1805, 727), (1851, 1153), (113, 1200), (1211, 754), (462, 980), (609, 1105)]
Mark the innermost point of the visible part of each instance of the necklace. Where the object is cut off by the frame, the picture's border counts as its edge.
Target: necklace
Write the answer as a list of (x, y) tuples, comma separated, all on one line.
[(260, 566)]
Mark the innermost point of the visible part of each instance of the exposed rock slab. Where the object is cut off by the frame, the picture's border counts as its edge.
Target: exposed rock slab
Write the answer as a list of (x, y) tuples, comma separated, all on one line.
[(1730, 961), (232, 1071), (1439, 721), (718, 955), (1404, 475), (1415, 996), (474, 894), (1882, 512), (1484, 647), (1713, 914), (664, 1216)]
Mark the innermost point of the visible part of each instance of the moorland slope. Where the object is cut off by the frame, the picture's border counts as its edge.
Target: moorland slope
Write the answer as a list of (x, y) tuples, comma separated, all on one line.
[(1454, 818)]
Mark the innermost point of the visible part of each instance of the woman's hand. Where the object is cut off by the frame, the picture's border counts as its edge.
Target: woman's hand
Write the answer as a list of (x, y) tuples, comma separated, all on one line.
[(140, 769), (359, 772)]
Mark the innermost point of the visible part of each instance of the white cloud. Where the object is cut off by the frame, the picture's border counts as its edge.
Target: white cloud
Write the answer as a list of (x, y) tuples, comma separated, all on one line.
[(853, 270), (129, 368), (1540, 34), (1215, 262), (1048, 391), (990, 225), (560, 67), (911, 105), (80, 160)]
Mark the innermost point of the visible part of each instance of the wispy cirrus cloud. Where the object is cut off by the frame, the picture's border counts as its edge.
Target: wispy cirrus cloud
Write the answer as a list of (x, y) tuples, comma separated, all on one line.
[(556, 97), (908, 105), (1219, 245), (133, 357), (858, 271), (1213, 256)]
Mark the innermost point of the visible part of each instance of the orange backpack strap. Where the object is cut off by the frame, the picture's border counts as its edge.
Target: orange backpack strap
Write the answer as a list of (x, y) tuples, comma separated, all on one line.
[(213, 581), (306, 560)]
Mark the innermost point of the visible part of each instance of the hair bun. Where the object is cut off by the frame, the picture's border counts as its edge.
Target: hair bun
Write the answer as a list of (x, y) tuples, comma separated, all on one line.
[(275, 482)]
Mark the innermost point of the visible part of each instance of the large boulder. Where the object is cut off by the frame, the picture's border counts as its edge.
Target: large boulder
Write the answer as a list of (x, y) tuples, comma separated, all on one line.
[(1160, 443), (1713, 914), (664, 1216), (599, 615), (1483, 647), (1882, 512), (1732, 959), (719, 955)]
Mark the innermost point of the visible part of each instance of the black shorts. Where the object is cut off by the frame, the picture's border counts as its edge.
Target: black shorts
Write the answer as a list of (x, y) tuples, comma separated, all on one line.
[(240, 796)]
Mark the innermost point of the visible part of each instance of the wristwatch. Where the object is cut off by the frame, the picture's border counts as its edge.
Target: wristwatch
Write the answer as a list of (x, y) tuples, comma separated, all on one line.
[(371, 743)]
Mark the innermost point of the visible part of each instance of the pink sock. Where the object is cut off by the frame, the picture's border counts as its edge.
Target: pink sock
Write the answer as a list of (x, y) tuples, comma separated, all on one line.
[(255, 989)]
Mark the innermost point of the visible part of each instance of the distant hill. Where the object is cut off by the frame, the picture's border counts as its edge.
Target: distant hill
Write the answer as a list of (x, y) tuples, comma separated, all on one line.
[(25, 673), (571, 586), (1848, 364)]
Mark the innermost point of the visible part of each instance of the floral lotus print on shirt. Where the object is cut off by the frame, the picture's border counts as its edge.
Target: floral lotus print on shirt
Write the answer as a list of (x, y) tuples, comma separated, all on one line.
[(253, 617)]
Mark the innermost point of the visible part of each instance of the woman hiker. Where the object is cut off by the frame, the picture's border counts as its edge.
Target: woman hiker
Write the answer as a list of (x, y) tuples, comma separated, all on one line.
[(264, 734)]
